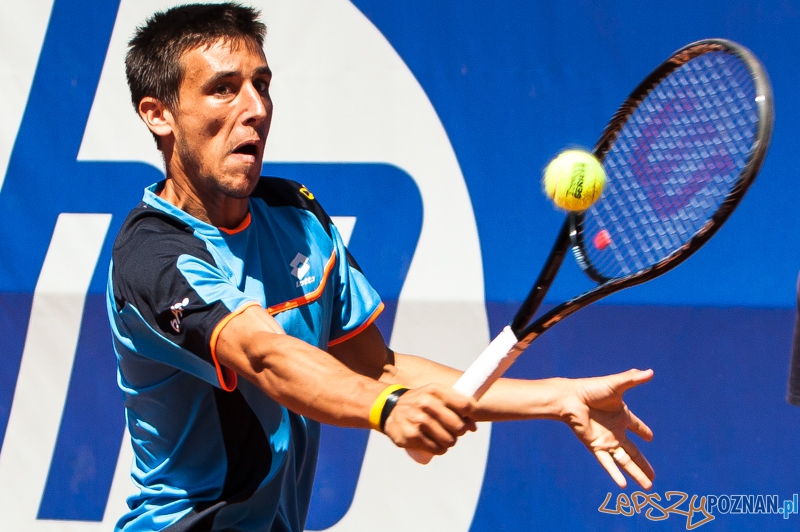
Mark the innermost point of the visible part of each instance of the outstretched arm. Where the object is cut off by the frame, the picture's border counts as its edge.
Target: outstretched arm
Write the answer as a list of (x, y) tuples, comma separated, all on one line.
[(593, 408)]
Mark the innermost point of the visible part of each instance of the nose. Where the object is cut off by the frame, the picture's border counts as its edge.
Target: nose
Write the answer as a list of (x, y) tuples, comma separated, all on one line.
[(256, 106)]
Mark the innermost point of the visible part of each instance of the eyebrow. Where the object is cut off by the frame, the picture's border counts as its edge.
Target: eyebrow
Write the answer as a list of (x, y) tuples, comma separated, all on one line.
[(263, 71), (260, 71)]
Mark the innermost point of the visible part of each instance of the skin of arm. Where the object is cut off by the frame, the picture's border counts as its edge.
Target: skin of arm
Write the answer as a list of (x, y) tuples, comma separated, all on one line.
[(593, 408), (339, 387), (315, 384)]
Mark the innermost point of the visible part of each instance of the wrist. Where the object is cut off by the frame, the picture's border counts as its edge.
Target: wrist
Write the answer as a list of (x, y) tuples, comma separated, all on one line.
[(568, 403), (383, 406), (389, 405), (557, 399)]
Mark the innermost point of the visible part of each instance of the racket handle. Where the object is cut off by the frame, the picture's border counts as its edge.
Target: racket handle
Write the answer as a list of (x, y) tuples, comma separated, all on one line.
[(420, 456), (490, 364), (481, 374)]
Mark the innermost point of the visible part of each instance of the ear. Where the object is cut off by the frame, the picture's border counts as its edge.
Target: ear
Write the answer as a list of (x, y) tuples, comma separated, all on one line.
[(156, 116)]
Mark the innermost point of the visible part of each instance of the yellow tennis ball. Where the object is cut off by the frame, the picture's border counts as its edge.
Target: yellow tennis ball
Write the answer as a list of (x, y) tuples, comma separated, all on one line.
[(574, 180)]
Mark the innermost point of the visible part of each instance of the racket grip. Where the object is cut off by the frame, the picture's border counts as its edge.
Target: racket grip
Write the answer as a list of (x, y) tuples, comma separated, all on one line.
[(420, 456), (490, 365), (481, 374)]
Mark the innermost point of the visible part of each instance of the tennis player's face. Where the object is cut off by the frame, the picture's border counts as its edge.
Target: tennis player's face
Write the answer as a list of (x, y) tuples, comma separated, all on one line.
[(222, 118)]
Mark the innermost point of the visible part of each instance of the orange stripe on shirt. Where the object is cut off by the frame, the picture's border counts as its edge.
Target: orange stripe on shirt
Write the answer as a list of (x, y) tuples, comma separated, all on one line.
[(227, 377), (305, 299), (239, 228), (360, 328)]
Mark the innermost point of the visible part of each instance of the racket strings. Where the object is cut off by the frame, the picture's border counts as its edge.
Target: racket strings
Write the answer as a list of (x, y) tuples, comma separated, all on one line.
[(674, 162)]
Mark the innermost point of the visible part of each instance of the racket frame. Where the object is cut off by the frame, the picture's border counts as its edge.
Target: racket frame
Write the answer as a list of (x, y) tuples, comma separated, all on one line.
[(516, 337), (572, 229)]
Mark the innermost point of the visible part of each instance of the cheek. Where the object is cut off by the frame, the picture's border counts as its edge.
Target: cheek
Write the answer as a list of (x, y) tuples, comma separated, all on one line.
[(211, 129)]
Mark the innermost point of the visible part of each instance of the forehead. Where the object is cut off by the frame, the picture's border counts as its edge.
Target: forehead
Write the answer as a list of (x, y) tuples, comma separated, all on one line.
[(223, 55)]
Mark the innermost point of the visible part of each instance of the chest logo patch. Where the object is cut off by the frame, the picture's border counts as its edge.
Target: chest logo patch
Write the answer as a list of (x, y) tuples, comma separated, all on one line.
[(301, 265)]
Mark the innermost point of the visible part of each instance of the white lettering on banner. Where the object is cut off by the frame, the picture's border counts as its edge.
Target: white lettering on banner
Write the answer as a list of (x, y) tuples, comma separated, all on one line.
[(345, 96), (45, 369), (22, 28)]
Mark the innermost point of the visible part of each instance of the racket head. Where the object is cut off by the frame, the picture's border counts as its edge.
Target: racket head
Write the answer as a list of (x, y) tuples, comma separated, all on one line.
[(679, 155)]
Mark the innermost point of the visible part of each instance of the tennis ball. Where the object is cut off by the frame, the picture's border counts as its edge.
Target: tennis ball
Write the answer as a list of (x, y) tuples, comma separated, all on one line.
[(574, 180)]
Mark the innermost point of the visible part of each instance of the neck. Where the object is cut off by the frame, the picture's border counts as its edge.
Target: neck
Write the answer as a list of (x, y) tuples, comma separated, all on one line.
[(218, 210)]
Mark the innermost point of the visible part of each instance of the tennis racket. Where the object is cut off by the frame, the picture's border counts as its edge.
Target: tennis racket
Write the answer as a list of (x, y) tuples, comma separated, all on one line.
[(679, 155)]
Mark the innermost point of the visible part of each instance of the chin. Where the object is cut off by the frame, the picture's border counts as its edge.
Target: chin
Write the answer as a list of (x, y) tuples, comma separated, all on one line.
[(239, 187)]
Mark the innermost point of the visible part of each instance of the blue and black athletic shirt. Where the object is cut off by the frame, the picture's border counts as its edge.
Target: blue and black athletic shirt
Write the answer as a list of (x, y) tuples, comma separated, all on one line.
[(213, 452)]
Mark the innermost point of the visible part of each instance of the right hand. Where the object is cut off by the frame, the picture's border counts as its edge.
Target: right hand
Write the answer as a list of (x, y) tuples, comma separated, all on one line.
[(430, 418)]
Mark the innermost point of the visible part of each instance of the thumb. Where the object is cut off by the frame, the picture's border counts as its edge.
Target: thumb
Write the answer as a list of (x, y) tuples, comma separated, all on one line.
[(628, 379)]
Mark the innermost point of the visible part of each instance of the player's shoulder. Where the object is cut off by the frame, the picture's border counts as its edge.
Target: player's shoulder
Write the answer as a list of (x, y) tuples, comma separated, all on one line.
[(280, 192), (148, 232), (146, 222)]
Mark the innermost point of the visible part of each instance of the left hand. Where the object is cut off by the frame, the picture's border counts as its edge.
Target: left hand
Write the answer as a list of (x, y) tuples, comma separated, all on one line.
[(598, 416)]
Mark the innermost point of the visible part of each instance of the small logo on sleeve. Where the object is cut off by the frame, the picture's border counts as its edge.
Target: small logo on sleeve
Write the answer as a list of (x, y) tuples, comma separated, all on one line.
[(307, 193), (177, 312), (300, 267)]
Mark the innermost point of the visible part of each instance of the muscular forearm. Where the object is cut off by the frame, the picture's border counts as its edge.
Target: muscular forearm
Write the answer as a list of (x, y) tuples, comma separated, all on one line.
[(507, 399), (344, 392), (299, 376), (312, 383)]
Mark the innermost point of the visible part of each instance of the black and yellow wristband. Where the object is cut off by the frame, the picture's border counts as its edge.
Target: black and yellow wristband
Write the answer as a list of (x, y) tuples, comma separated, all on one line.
[(384, 404)]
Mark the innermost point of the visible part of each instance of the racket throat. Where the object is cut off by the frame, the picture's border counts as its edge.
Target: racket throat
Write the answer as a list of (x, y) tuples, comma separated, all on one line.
[(535, 297)]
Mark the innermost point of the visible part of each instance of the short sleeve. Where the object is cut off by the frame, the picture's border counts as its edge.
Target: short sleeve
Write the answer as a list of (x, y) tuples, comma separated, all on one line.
[(357, 304), (166, 278)]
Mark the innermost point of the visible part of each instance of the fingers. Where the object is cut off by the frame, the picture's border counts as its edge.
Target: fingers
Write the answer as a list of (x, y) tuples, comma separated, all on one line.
[(420, 440), (632, 461), (633, 467), (448, 412), (610, 466), (457, 412), (431, 418), (628, 456), (638, 427), (642, 464)]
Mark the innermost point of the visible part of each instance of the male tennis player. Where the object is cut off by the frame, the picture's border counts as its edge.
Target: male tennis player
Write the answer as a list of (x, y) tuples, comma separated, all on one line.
[(241, 321)]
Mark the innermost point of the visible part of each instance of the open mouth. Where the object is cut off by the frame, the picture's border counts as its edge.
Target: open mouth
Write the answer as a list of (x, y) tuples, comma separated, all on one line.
[(249, 148)]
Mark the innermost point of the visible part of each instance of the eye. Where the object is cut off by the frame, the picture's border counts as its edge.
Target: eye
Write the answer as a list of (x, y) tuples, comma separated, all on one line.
[(261, 85), (223, 89)]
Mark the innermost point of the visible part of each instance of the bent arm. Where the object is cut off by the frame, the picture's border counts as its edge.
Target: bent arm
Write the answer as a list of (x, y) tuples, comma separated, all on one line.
[(315, 384), (294, 373)]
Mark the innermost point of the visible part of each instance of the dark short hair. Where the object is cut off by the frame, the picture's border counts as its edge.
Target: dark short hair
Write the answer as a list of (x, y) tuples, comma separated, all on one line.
[(153, 65)]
